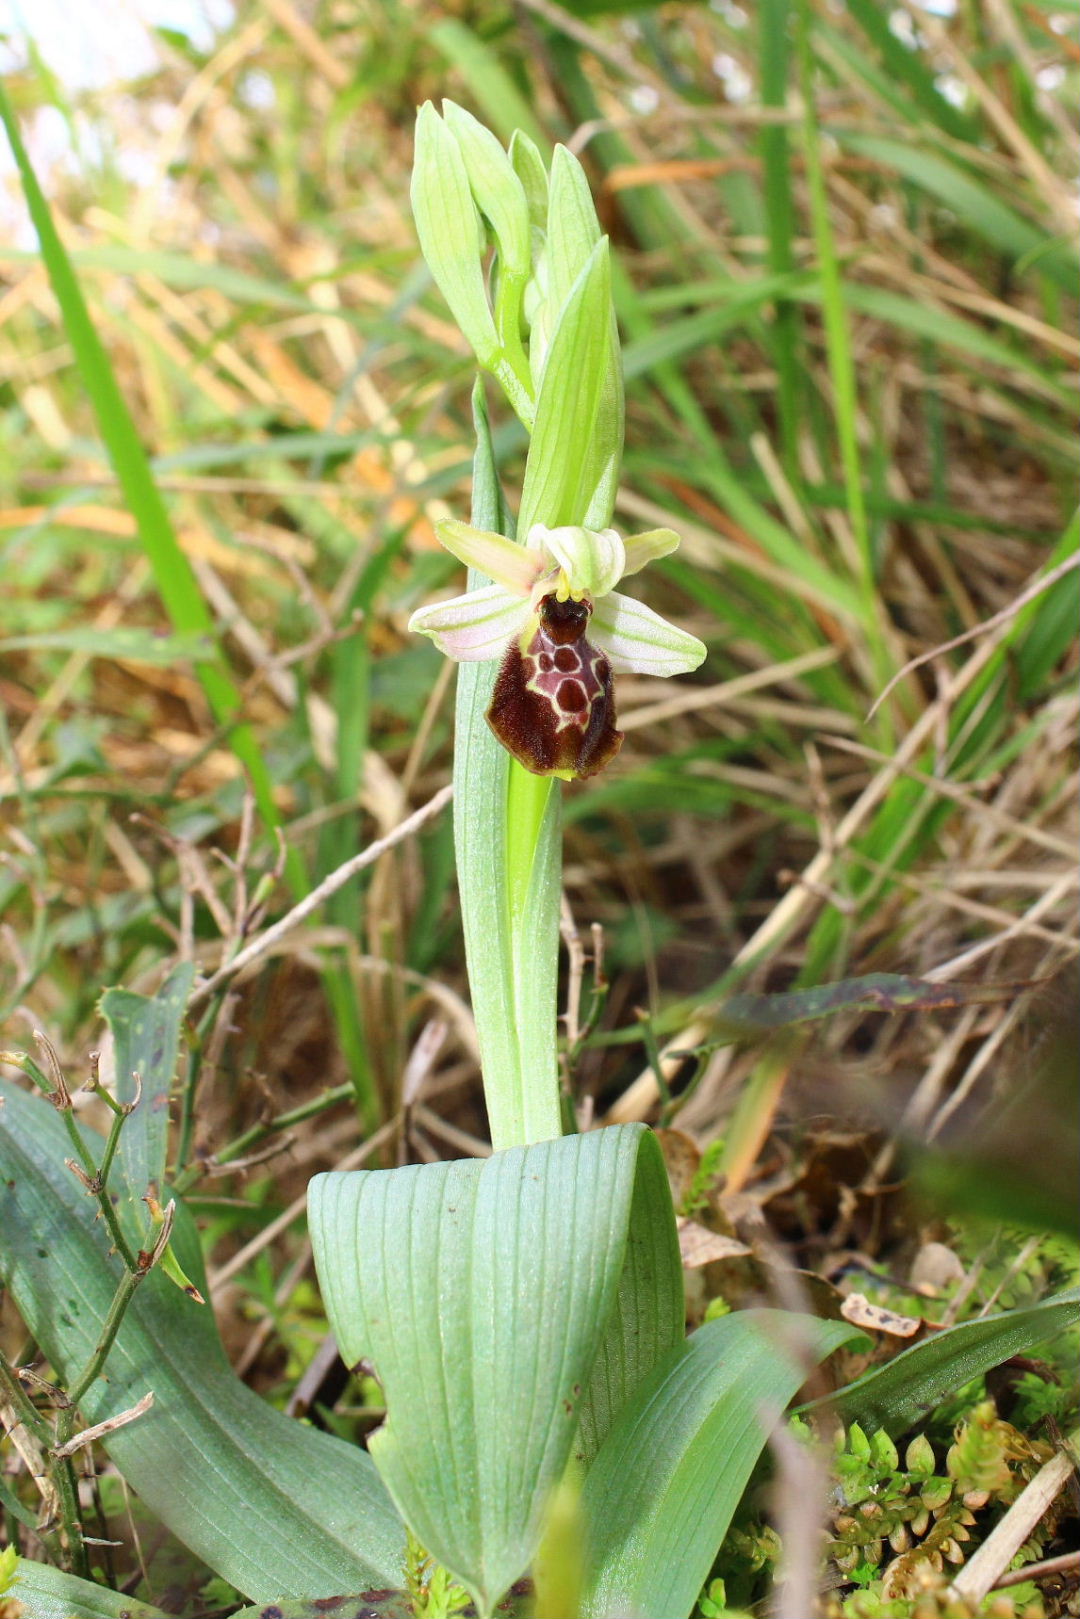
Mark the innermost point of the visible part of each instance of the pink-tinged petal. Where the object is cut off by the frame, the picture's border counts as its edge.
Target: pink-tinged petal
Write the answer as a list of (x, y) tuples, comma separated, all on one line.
[(473, 627), (511, 566), (643, 548), (593, 561), (639, 641)]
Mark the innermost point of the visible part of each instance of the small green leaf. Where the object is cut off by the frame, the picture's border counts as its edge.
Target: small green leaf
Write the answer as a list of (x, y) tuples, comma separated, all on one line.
[(146, 1039), (899, 1394), (481, 1292)]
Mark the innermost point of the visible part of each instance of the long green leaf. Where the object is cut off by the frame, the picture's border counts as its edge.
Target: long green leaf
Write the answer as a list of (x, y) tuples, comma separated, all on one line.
[(908, 70), (277, 1508), (49, 1593), (138, 646), (492, 87), (781, 218), (184, 273), (837, 328), (972, 200), (943, 326), (898, 1394), (660, 1495), (481, 1292)]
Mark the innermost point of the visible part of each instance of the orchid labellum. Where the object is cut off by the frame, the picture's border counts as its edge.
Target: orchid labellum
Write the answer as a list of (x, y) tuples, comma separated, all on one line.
[(562, 631)]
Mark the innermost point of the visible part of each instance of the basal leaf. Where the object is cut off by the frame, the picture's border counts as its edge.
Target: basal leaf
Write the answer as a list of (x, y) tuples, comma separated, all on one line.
[(365, 1605), (277, 1508), (49, 1593), (480, 1291), (660, 1495)]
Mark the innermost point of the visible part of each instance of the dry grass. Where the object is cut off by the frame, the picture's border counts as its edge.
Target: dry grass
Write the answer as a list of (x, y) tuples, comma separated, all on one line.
[(844, 513)]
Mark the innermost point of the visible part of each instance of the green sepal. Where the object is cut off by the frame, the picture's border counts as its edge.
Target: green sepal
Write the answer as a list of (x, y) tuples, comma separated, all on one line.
[(451, 232), (458, 173), (529, 167), (573, 229), (573, 446)]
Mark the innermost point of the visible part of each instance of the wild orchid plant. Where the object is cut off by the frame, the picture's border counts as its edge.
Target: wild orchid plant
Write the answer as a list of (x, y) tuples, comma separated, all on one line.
[(547, 1279), (524, 1313)]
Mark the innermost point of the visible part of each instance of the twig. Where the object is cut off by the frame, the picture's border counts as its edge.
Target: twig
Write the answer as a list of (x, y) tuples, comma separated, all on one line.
[(982, 1571), (802, 1485), (285, 1219), (987, 624), (100, 1429), (1066, 1563), (329, 885)]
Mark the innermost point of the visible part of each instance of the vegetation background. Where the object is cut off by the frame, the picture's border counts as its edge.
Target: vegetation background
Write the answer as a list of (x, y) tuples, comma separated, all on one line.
[(846, 275)]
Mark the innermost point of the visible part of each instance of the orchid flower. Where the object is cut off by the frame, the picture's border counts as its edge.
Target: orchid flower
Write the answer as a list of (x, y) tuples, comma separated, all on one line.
[(561, 630)]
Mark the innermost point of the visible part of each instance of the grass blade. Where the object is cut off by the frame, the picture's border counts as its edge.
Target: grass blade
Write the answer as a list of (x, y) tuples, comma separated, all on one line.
[(173, 574)]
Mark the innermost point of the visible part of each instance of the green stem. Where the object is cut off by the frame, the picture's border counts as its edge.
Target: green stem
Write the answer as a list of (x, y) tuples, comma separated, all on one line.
[(111, 1145), (105, 1203), (61, 1471), (526, 805), (242, 1144), (508, 846), (125, 1292)]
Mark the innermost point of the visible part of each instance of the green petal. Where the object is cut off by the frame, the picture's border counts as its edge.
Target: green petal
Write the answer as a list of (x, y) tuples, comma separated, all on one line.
[(644, 548), (639, 641), (510, 565), (473, 627), (594, 562)]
